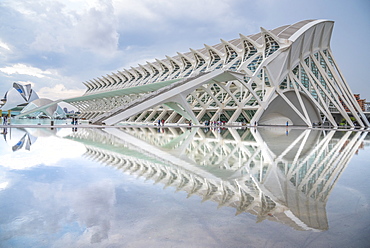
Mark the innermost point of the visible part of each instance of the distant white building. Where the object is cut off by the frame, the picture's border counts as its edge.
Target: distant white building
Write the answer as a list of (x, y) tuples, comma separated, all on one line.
[(21, 99), (53, 111), (17, 97)]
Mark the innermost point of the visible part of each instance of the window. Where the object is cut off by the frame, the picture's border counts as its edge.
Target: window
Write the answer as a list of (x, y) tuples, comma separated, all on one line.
[(271, 45), (255, 63), (249, 50)]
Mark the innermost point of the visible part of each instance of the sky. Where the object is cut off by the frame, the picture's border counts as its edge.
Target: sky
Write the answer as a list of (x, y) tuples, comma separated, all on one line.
[(55, 45)]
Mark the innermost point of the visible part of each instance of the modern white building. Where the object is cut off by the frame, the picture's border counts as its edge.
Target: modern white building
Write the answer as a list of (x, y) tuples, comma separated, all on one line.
[(17, 97), (22, 101), (287, 75), (51, 111)]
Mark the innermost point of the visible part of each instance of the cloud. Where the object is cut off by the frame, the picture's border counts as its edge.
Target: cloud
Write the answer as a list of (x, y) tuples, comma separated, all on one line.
[(96, 29), (43, 152), (25, 70), (75, 40), (215, 12), (60, 204), (3, 185), (61, 25), (4, 46), (84, 39), (179, 21), (59, 91), (60, 28), (79, 40)]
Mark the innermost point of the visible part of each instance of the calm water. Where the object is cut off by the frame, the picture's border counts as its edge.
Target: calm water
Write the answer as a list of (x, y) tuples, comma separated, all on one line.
[(179, 187)]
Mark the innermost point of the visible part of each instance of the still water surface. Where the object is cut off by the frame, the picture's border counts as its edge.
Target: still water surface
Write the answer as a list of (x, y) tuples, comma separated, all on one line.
[(180, 187)]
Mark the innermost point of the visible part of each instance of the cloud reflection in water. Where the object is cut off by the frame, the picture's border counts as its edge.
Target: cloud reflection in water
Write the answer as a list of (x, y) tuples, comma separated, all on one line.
[(264, 172)]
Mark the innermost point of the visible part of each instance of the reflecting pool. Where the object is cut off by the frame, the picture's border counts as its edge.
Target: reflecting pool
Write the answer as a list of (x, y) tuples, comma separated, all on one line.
[(184, 187)]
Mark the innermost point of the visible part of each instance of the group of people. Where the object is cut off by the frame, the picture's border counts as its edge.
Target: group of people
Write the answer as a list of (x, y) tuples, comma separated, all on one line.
[(74, 121), (161, 121), (215, 123)]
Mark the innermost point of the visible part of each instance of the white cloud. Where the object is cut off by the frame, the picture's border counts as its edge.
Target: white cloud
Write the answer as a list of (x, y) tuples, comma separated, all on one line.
[(61, 26), (83, 39), (162, 14), (59, 91), (4, 46), (3, 185), (26, 70), (96, 29), (46, 150)]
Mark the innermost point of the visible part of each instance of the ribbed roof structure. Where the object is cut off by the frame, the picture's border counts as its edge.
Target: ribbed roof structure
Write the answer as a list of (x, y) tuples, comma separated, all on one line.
[(284, 75)]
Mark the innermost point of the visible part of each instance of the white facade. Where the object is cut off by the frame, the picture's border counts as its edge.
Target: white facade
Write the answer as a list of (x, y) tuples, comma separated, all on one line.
[(51, 111), (18, 95), (279, 76)]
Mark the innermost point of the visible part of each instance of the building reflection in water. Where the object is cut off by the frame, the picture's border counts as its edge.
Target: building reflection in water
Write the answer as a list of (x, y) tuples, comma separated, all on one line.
[(23, 138), (265, 172)]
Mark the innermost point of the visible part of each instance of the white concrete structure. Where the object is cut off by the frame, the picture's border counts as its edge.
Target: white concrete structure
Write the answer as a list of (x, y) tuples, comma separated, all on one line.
[(279, 76), (18, 95), (23, 101), (45, 107)]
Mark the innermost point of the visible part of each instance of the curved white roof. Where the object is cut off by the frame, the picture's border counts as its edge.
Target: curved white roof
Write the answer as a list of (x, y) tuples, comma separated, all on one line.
[(228, 55), (18, 95)]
